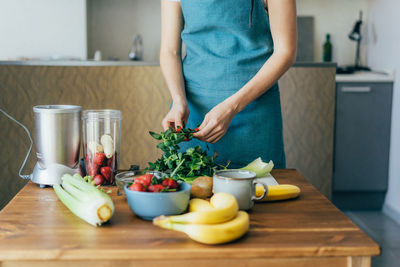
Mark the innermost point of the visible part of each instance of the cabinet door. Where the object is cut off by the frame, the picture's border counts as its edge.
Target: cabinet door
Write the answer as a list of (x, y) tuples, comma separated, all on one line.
[(362, 136)]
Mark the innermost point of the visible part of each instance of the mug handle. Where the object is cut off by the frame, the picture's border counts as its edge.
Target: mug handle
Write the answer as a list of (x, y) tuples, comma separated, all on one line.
[(255, 182)]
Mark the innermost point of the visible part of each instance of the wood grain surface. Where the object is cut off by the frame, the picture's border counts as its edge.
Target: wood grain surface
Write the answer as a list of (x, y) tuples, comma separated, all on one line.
[(36, 226)]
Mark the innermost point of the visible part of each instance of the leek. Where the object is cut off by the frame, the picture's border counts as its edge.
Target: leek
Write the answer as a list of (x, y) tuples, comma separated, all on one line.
[(84, 199), (259, 167)]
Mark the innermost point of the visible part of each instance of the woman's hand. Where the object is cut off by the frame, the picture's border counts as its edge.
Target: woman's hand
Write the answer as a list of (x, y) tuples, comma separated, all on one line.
[(177, 115), (216, 122)]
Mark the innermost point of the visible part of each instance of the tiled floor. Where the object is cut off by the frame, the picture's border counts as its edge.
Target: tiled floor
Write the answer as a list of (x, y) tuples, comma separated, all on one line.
[(384, 231)]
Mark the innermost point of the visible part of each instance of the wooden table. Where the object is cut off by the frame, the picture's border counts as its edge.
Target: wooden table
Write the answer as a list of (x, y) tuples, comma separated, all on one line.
[(36, 229)]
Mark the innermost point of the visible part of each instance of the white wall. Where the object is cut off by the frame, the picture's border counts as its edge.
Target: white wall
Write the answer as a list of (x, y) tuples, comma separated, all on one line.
[(336, 17), (42, 28), (384, 53), (112, 24)]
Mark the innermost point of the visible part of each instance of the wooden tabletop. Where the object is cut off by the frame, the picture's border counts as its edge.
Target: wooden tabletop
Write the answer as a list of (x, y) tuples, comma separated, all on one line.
[(35, 225)]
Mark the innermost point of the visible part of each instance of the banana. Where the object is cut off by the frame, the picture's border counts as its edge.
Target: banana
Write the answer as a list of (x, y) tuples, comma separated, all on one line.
[(210, 233), (198, 204), (224, 205), (278, 192)]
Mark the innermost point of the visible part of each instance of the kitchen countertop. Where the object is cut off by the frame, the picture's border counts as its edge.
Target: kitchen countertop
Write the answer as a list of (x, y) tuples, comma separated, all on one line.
[(123, 63), (36, 229), (365, 76)]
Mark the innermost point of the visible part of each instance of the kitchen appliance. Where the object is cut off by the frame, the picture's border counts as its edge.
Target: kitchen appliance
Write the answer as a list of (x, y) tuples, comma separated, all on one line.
[(57, 139), (355, 35), (136, 52)]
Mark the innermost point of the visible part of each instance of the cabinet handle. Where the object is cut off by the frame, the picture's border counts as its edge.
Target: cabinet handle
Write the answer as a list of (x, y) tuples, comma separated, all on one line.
[(356, 89)]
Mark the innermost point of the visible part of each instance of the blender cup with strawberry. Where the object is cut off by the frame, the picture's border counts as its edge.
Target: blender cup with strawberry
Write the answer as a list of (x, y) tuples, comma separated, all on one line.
[(101, 144)]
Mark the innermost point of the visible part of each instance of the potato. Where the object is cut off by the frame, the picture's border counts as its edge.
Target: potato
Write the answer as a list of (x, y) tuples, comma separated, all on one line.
[(202, 187)]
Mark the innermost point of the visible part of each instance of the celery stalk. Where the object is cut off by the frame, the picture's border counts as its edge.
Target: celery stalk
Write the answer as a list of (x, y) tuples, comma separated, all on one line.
[(84, 200), (259, 167)]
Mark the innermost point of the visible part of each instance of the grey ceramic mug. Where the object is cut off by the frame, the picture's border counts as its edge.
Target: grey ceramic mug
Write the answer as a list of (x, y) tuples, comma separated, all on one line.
[(241, 184)]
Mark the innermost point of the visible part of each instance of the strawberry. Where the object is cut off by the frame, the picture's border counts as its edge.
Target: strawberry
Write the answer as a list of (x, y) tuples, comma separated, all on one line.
[(92, 169), (155, 188), (146, 179), (99, 158), (98, 179), (137, 187), (107, 173), (112, 162), (138, 180), (170, 183)]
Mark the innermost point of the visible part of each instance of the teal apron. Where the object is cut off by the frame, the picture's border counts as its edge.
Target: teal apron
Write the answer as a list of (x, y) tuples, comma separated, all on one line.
[(223, 52)]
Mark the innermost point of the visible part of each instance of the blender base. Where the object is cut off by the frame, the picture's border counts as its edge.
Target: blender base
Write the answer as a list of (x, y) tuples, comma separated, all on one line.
[(52, 174)]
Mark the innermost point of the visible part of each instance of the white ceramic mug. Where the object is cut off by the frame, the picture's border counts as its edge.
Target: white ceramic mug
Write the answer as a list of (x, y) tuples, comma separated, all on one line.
[(241, 184)]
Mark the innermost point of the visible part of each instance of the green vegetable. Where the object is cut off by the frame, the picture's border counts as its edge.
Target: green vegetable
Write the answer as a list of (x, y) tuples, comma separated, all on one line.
[(259, 167), (84, 199), (189, 180), (181, 166)]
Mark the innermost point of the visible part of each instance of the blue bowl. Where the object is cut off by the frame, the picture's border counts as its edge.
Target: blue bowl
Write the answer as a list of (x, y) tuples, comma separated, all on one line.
[(148, 205)]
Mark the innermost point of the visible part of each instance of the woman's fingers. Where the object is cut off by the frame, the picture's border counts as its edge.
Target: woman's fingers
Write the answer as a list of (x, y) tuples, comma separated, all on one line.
[(178, 122), (210, 133), (186, 117), (213, 139), (215, 135), (173, 121), (165, 124), (204, 129), (176, 116)]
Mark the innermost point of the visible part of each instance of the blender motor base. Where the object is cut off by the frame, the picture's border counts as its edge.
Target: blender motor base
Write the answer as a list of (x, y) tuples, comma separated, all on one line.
[(52, 174)]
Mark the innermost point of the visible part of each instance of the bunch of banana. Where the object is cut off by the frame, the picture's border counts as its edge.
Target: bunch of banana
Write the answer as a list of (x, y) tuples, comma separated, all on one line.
[(215, 222)]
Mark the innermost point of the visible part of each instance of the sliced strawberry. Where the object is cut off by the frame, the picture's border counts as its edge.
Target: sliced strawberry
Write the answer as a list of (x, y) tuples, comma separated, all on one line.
[(99, 159), (146, 179), (92, 169), (106, 172), (155, 188), (110, 162), (138, 180), (137, 187), (170, 183), (98, 179)]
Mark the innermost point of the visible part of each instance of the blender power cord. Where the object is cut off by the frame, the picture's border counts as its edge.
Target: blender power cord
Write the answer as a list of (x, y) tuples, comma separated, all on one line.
[(23, 176)]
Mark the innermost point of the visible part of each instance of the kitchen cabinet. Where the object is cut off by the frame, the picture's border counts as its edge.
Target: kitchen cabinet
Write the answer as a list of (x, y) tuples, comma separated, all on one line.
[(307, 231), (308, 112), (362, 140)]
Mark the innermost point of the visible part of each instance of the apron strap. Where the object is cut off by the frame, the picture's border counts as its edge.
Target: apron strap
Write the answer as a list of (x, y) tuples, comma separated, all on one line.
[(251, 13)]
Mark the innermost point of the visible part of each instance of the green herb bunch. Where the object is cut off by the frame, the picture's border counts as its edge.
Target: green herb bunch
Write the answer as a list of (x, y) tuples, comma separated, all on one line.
[(181, 166)]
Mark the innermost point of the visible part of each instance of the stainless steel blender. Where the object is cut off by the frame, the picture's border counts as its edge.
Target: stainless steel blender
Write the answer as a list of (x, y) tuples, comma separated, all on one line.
[(57, 139)]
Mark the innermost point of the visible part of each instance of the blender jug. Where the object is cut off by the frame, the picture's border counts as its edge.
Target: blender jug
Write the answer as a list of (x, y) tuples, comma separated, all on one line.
[(57, 139), (101, 131)]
